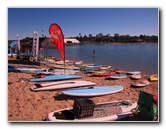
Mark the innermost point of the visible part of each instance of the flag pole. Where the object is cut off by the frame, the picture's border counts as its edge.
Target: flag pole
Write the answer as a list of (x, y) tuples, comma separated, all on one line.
[(64, 56)]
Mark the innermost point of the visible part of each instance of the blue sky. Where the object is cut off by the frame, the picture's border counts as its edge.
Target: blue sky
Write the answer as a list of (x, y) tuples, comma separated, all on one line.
[(132, 21)]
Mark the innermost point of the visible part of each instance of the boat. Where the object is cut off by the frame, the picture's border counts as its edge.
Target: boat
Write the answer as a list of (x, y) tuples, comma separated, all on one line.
[(153, 77), (140, 83), (100, 112), (55, 77), (93, 91), (136, 76), (117, 76), (60, 85)]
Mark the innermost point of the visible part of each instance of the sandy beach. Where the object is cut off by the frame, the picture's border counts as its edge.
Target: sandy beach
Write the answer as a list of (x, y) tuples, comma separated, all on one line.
[(28, 106)]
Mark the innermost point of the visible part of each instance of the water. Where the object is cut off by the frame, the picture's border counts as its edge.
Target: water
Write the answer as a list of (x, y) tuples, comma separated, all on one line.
[(129, 57)]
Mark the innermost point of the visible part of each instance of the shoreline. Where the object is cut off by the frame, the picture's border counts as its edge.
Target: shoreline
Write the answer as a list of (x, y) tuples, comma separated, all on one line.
[(26, 105)]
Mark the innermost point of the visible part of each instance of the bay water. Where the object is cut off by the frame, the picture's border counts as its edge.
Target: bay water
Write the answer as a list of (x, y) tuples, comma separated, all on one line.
[(142, 57)]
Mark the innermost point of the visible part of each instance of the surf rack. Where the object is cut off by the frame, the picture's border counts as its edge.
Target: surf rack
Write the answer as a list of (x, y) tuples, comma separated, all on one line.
[(83, 107)]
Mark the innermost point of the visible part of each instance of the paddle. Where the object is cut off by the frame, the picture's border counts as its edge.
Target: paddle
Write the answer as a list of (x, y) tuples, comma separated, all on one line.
[(40, 86)]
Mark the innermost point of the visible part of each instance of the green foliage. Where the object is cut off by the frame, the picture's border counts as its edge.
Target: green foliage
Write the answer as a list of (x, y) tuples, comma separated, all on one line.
[(118, 39)]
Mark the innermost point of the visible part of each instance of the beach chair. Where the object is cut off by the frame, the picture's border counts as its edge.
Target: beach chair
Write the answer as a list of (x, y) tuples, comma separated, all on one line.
[(146, 105)]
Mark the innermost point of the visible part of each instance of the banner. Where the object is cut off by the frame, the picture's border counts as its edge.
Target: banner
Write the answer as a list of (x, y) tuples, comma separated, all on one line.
[(57, 35), (35, 46)]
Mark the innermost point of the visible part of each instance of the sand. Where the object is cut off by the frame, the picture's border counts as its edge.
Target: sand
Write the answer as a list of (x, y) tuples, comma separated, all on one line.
[(27, 106)]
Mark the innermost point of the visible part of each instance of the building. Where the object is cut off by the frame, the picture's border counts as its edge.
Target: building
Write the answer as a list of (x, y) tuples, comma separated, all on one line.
[(71, 40), (90, 35), (116, 35), (100, 35)]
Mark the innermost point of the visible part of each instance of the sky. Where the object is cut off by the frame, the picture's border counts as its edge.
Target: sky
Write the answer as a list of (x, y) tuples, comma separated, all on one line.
[(125, 21)]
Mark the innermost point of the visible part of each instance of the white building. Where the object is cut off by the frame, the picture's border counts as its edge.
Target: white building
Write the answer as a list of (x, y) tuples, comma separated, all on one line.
[(71, 40)]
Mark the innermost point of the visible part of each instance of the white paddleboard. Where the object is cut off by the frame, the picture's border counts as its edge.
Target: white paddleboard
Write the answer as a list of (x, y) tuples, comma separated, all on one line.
[(134, 72), (105, 111), (93, 91), (136, 76), (140, 83), (60, 85)]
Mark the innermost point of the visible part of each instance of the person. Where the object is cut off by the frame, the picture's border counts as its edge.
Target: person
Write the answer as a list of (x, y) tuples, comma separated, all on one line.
[(94, 52)]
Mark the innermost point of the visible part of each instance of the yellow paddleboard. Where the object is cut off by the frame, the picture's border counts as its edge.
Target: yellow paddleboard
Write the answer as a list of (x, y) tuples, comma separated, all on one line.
[(154, 77)]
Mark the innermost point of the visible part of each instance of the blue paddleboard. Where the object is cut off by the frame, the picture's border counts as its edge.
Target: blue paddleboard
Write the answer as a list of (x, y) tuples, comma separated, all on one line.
[(24, 70), (93, 91), (117, 76), (55, 77)]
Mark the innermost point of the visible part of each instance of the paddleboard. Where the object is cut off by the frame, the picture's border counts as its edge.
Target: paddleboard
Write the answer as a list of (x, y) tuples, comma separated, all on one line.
[(104, 67), (60, 71), (87, 68), (93, 91), (106, 74), (117, 76), (153, 77), (106, 111), (134, 72), (140, 83), (26, 70), (90, 67), (136, 76), (60, 85), (55, 77), (118, 71)]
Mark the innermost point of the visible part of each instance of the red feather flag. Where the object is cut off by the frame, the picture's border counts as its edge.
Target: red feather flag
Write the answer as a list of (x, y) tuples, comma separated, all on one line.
[(57, 35)]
